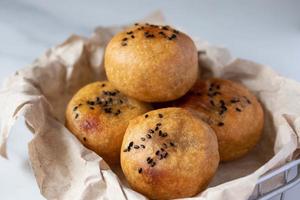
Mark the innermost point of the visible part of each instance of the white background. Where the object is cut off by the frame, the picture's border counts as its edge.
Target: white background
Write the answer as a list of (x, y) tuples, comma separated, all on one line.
[(265, 31)]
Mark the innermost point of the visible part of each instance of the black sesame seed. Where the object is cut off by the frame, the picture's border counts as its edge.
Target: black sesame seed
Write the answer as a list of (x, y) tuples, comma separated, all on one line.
[(140, 170), (129, 33), (165, 28), (248, 101), (172, 144), (76, 116), (218, 87), (151, 131), (142, 146), (92, 108), (220, 124), (130, 144), (234, 100), (112, 93), (175, 31), (222, 102), (160, 115), (148, 159), (153, 164), (125, 150), (143, 139), (84, 139), (158, 124), (160, 133), (166, 154), (136, 146), (148, 136), (156, 128), (162, 149), (150, 36), (164, 135), (107, 110), (212, 102), (118, 112), (173, 36), (75, 108), (132, 36), (121, 101), (157, 152), (124, 44), (103, 85), (238, 110), (146, 115), (161, 157), (216, 93), (90, 103), (136, 24), (165, 145), (105, 103)]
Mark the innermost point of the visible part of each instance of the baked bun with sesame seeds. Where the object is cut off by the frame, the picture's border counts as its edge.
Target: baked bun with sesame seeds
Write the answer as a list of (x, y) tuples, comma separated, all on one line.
[(169, 153), (231, 110), (98, 116), (152, 63)]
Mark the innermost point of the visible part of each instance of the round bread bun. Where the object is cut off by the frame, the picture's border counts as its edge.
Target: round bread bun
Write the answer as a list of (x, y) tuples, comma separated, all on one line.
[(152, 63), (98, 116), (231, 110), (169, 153)]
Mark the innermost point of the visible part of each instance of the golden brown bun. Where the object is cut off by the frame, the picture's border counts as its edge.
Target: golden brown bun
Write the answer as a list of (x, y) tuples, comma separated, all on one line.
[(98, 116), (232, 111), (152, 63), (169, 153)]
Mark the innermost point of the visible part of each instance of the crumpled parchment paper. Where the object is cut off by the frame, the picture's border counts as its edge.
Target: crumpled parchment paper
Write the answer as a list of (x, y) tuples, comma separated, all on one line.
[(65, 169)]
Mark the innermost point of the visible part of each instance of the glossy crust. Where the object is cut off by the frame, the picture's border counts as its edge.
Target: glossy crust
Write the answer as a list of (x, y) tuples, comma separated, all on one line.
[(152, 63), (98, 116), (177, 159), (232, 111)]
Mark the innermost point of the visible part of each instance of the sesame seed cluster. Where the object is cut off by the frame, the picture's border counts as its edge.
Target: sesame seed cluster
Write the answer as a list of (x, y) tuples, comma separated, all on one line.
[(165, 32)]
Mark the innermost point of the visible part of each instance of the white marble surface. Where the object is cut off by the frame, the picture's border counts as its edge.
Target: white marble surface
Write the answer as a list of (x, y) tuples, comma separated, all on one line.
[(266, 31)]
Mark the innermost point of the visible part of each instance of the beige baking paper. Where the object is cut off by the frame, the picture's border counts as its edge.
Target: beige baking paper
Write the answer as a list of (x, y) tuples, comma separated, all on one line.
[(64, 169)]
